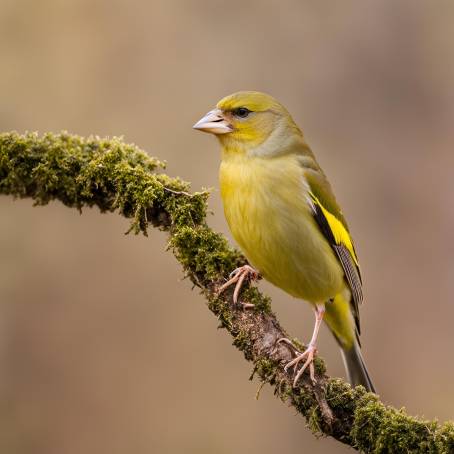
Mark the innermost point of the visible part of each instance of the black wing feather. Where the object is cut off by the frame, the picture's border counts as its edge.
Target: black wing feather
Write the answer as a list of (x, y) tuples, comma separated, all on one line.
[(351, 271)]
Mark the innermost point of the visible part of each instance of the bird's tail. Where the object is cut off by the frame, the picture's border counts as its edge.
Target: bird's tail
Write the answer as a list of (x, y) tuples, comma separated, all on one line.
[(356, 368)]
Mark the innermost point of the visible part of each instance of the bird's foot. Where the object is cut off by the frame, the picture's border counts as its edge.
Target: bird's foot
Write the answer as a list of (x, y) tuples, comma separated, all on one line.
[(308, 355), (237, 277)]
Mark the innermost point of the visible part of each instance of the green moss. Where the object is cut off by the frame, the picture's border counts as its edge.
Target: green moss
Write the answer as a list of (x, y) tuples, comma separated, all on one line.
[(261, 303), (266, 369), (204, 252), (381, 429), (115, 176), (242, 341), (185, 210), (91, 172), (445, 438), (305, 402), (222, 311), (342, 397), (313, 421)]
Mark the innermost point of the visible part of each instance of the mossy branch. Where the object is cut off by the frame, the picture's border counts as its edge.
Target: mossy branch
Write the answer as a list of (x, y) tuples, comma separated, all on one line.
[(115, 176)]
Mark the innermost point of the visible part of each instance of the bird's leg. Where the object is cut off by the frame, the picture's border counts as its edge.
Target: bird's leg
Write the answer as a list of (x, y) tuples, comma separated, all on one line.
[(310, 351), (238, 276)]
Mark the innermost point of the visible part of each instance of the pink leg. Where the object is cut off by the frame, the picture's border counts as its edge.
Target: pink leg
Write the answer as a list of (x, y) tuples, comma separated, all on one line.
[(238, 276), (311, 349)]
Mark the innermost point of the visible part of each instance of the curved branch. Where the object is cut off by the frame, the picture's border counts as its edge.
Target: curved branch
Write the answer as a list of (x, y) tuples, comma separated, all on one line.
[(115, 176)]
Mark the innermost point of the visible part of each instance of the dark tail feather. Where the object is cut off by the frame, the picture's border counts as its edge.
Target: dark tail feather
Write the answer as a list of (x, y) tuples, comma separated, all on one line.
[(356, 369)]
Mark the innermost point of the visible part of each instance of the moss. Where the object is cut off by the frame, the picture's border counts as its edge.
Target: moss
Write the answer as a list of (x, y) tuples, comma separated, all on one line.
[(115, 176), (185, 210), (222, 311), (342, 397), (266, 369), (242, 341), (261, 302), (445, 438), (107, 173), (204, 252), (381, 429), (304, 401), (313, 421)]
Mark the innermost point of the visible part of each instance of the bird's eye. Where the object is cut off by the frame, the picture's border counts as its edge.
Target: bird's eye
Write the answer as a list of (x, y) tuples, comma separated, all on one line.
[(241, 112)]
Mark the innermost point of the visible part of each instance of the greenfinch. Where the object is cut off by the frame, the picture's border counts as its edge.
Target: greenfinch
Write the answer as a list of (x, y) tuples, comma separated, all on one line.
[(283, 214)]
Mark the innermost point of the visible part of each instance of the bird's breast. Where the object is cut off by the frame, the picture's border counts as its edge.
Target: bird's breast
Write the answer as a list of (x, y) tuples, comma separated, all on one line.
[(266, 207)]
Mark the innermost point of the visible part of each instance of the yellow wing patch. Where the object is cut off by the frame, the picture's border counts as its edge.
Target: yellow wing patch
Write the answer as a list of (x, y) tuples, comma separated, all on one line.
[(341, 236)]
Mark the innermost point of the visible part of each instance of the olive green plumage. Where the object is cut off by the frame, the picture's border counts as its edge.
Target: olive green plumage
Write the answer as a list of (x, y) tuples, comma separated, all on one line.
[(283, 214)]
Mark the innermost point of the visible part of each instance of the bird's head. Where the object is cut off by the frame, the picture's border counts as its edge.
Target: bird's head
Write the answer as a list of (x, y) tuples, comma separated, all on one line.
[(248, 121)]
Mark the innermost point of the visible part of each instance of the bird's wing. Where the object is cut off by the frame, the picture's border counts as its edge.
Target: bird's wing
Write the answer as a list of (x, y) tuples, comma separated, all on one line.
[(332, 224)]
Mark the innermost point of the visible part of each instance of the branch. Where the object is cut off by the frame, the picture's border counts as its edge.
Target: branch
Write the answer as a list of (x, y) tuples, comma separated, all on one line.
[(115, 176)]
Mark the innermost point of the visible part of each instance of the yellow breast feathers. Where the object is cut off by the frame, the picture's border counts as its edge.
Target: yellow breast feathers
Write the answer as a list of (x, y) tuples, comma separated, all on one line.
[(268, 208)]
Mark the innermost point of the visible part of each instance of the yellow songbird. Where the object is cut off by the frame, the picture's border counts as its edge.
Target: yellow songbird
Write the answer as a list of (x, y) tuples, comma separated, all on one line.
[(282, 212)]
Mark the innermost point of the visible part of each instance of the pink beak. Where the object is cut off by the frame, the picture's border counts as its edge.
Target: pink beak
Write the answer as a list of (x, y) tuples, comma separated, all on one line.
[(214, 122)]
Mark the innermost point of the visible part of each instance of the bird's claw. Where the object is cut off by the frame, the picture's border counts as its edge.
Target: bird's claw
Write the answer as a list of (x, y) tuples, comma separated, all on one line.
[(308, 355), (238, 276)]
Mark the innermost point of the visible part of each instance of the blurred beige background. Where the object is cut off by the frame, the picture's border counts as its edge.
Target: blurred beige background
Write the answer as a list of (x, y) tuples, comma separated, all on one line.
[(103, 348)]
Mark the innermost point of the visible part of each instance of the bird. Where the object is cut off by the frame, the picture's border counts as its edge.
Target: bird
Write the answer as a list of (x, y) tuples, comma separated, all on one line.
[(283, 214)]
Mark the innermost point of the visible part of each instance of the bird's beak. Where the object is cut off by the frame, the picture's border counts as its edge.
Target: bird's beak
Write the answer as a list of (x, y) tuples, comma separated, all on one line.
[(214, 122)]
